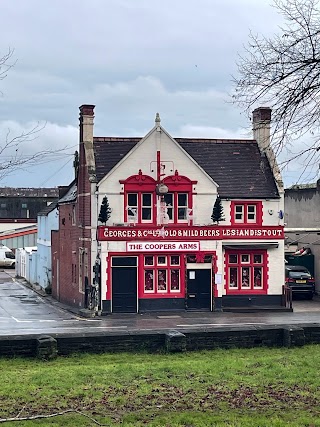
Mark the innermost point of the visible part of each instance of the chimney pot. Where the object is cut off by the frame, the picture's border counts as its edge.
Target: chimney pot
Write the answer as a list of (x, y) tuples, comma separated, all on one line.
[(86, 110), (261, 114)]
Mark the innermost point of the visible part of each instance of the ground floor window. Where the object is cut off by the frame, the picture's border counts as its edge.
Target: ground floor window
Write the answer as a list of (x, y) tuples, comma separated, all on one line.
[(162, 274), (246, 271)]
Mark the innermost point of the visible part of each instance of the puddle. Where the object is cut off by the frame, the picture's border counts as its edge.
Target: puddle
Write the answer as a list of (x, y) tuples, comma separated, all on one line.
[(25, 299), (169, 317), (29, 301)]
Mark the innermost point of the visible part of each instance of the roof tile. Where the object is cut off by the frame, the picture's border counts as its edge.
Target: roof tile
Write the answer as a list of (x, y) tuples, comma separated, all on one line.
[(237, 166)]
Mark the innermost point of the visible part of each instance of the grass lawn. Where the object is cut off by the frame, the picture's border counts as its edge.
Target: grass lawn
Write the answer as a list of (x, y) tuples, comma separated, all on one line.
[(247, 387)]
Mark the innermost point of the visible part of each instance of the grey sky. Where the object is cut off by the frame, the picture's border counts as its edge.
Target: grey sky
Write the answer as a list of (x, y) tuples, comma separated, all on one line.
[(131, 58)]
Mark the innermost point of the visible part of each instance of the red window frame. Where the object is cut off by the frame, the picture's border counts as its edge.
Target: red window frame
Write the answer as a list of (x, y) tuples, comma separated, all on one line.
[(139, 206), (175, 206), (143, 184), (246, 221), (248, 266), (177, 185), (156, 268), (140, 184)]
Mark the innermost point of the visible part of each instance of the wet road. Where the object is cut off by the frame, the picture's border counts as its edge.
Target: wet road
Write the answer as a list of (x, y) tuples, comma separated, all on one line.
[(22, 311)]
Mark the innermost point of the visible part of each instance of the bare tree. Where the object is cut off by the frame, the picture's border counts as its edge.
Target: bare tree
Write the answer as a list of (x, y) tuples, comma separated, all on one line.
[(283, 72), (5, 64), (12, 156)]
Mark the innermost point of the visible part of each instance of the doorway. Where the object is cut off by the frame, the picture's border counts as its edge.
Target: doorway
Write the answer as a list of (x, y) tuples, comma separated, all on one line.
[(124, 285), (199, 289)]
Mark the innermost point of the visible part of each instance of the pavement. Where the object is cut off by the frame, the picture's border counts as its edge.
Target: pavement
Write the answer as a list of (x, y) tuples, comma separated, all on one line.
[(24, 310)]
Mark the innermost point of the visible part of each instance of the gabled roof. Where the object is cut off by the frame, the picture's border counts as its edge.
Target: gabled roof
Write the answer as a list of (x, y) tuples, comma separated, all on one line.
[(237, 166), (70, 195), (45, 211), (109, 151)]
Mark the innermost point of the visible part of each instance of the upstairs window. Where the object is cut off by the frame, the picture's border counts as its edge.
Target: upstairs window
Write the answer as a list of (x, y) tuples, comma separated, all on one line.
[(177, 206), (139, 207), (142, 205), (132, 202), (179, 202), (182, 206), (147, 206), (139, 199), (246, 213)]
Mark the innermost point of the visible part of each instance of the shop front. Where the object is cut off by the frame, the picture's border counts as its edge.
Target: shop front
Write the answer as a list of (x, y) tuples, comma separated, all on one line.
[(160, 280), (196, 273)]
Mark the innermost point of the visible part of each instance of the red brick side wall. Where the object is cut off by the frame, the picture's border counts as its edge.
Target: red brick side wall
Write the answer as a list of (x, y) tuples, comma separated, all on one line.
[(84, 212), (70, 242)]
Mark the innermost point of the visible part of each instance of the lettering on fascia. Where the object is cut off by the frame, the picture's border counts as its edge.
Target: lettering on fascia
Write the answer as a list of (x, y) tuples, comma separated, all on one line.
[(134, 233)]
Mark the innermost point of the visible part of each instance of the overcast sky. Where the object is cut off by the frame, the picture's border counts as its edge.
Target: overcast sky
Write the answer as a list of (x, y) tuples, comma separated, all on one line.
[(131, 58)]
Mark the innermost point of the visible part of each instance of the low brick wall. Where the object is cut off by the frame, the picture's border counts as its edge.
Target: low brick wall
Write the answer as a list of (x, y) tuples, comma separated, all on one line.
[(249, 336), (111, 342), (18, 346), (160, 341), (311, 332)]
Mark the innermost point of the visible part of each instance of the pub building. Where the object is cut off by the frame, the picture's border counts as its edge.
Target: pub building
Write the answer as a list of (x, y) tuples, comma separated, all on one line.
[(193, 224)]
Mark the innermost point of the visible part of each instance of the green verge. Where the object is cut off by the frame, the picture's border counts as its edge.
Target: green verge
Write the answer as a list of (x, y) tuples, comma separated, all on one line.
[(240, 387)]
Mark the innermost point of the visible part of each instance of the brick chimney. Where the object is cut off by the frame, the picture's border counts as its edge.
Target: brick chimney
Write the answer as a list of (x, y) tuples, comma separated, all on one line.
[(86, 140), (261, 121), (86, 122)]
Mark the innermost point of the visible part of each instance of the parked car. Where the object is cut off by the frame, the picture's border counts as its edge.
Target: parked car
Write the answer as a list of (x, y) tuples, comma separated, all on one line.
[(7, 257), (300, 280)]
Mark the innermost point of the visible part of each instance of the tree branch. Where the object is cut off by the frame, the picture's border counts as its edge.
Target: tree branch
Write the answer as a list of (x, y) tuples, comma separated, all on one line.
[(283, 72), (12, 157), (57, 414)]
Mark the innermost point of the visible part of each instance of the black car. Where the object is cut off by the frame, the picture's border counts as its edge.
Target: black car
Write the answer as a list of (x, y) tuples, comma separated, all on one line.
[(300, 280)]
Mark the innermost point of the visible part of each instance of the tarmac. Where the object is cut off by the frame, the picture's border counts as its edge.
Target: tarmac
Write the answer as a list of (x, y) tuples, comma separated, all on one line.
[(64, 318)]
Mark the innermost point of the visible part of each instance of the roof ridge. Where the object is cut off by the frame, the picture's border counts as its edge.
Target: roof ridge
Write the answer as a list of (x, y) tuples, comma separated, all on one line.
[(216, 140), (116, 138), (178, 139)]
